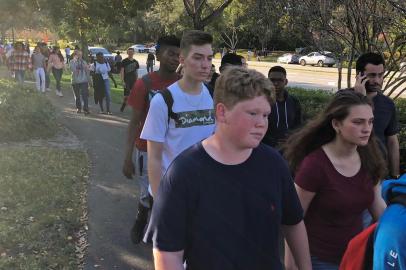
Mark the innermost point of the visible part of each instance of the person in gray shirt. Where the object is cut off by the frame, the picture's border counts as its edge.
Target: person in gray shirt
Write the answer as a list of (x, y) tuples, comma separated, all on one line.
[(80, 81), (38, 66)]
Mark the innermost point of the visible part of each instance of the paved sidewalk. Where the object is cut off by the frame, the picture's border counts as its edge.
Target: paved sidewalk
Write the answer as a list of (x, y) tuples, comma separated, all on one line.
[(112, 199)]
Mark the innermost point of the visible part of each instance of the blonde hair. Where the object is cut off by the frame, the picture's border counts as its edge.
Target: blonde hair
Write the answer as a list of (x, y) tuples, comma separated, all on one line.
[(237, 84)]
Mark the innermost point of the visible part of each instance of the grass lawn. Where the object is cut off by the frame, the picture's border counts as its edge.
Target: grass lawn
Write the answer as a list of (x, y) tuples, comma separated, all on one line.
[(40, 205)]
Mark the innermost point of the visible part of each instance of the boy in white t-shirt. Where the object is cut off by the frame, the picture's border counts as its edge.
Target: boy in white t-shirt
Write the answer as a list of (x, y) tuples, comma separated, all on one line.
[(192, 104)]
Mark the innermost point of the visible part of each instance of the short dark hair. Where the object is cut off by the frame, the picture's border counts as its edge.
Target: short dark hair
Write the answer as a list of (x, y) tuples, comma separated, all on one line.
[(231, 59), (130, 49), (194, 37), (99, 53), (369, 58), (277, 69), (167, 41)]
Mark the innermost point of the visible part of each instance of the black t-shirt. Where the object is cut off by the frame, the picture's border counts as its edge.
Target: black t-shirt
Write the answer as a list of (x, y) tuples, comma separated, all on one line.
[(385, 118), (130, 69), (225, 216), (150, 58)]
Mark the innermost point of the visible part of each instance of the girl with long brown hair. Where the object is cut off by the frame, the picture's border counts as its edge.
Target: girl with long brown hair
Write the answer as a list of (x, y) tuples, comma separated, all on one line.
[(337, 167)]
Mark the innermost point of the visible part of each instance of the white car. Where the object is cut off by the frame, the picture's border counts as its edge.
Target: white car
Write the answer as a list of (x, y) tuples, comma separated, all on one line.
[(318, 58), (139, 48), (288, 58)]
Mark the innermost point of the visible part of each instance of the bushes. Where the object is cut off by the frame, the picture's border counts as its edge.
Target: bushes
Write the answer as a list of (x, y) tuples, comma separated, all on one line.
[(24, 114), (313, 101)]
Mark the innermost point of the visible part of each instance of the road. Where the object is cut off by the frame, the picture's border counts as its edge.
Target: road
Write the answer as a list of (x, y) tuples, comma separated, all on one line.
[(308, 77)]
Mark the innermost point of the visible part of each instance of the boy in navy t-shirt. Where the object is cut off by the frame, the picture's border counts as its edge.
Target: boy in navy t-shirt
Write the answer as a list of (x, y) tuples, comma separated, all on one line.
[(222, 202)]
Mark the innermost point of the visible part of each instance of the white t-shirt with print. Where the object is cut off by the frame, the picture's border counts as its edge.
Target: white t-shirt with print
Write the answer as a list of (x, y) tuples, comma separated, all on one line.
[(195, 123), (102, 69)]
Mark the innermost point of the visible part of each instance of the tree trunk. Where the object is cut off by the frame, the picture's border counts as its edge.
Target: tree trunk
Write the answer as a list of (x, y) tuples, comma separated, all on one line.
[(340, 72), (351, 60)]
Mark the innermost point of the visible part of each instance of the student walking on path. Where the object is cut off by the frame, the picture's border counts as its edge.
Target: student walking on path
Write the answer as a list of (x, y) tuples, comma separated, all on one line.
[(38, 65), (185, 115), (56, 63), (338, 168), (18, 62), (139, 99), (150, 62), (80, 81), (220, 205), (128, 74), (101, 70), (286, 113)]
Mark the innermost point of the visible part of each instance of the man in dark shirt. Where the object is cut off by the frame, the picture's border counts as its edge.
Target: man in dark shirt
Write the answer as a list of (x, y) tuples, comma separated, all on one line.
[(370, 72), (219, 205), (286, 114), (128, 74), (150, 62)]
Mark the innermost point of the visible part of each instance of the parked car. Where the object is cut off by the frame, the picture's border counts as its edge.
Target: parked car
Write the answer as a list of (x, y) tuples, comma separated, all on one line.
[(108, 56), (139, 48), (318, 58), (288, 58)]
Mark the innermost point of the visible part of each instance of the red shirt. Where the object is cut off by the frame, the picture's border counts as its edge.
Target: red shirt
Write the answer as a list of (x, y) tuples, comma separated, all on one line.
[(140, 97), (334, 215)]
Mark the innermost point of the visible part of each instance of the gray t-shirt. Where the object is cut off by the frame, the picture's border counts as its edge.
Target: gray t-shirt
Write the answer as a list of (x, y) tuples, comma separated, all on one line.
[(38, 60)]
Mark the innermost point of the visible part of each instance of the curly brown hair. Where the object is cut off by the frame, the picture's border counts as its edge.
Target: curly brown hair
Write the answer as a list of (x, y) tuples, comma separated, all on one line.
[(320, 131)]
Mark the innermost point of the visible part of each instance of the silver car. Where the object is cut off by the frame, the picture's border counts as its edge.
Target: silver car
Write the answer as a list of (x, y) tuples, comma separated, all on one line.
[(139, 48), (288, 58), (318, 58)]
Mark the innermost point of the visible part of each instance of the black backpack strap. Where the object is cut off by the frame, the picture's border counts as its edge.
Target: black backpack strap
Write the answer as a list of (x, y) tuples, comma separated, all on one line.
[(400, 199), (167, 96), (369, 252)]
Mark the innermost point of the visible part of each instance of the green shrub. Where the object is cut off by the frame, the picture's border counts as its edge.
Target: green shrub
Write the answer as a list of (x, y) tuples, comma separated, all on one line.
[(24, 113), (312, 101)]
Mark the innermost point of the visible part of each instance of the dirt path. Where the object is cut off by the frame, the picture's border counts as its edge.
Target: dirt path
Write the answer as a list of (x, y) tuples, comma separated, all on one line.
[(112, 199)]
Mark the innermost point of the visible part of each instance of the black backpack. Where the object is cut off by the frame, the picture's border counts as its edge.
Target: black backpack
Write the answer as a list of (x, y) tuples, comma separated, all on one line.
[(166, 94)]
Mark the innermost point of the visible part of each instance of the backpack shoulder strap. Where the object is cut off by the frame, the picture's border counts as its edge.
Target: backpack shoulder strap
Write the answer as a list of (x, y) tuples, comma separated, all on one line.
[(167, 95), (400, 199)]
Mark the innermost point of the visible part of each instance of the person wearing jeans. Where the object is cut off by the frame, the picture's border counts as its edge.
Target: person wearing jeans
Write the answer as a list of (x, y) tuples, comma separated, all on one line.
[(38, 64), (102, 69), (80, 81), (81, 90), (18, 62), (56, 63)]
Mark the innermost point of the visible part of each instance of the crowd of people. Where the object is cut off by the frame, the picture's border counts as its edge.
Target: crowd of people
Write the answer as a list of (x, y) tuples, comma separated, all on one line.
[(230, 175), (228, 168)]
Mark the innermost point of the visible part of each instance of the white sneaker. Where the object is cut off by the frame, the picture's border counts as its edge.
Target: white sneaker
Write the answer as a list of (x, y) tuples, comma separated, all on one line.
[(60, 93), (48, 90)]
